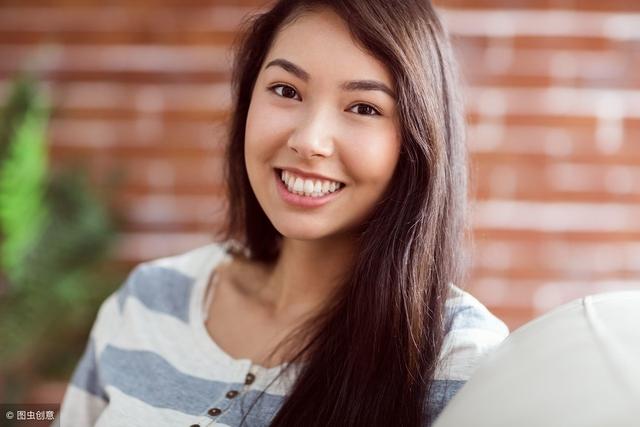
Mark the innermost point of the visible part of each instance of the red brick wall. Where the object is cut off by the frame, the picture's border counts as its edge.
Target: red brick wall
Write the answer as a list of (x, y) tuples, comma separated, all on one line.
[(554, 132), (553, 100)]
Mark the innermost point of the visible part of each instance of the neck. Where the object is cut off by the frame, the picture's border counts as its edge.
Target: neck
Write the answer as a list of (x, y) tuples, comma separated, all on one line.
[(306, 273)]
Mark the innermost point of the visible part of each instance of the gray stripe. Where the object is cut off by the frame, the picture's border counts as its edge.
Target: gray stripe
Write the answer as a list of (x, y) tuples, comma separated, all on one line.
[(442, 391), (161, 289), (259, 414), (86, 374), (150, 378), (469, 316), (147, 376)]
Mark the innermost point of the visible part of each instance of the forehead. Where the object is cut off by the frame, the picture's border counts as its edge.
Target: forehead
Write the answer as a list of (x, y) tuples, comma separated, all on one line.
[(320, 42)]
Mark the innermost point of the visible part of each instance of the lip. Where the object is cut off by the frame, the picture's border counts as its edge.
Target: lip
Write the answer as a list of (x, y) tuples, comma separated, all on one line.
[(302, 201), (308, 174)]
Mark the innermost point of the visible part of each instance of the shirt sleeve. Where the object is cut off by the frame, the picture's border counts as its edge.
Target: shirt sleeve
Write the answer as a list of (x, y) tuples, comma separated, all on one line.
[(86, 397), (473, 333)]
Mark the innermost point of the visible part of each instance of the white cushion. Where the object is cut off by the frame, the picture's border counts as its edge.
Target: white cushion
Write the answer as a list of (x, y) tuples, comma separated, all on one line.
[(578, 365)]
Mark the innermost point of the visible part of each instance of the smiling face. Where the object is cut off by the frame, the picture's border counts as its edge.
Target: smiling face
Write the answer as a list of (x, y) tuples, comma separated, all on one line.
[(322, 117)]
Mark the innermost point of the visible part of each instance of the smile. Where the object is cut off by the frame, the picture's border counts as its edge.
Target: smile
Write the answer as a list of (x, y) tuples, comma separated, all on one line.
[(304, 192), (308, 187)]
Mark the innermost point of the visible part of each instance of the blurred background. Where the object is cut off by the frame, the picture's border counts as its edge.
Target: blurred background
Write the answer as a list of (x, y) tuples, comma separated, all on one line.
[(111, 136)]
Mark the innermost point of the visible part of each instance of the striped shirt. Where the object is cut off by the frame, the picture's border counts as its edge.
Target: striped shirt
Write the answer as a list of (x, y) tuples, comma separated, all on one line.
[(150, 361)]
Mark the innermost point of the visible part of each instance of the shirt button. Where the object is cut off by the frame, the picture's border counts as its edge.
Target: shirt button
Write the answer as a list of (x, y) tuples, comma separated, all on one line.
[(231, 394), (249, 378), (214, 411)]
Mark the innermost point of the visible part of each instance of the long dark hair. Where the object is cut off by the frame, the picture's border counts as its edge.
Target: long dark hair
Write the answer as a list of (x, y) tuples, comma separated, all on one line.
[(371, 354)]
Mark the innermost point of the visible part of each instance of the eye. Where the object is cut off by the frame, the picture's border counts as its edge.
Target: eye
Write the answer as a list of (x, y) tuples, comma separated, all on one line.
[(365, 110), (284, 91)]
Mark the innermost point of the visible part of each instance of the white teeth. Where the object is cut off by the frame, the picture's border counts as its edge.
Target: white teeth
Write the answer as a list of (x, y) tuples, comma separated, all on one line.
[(308, 187)]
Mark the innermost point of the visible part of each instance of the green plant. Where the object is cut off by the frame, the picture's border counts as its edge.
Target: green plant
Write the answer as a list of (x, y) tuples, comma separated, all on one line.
[(57, 235), (22, 173)]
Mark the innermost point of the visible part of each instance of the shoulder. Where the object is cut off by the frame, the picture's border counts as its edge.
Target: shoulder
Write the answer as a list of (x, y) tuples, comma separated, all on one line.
[(189, 263), (165, 284), (161, 287), (472, 333)]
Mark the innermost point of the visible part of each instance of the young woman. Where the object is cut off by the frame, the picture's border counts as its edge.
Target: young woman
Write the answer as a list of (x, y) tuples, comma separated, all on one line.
[(331, 300)]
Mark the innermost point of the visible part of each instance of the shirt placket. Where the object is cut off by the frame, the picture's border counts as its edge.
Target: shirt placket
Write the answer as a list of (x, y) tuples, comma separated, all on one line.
[(222, 406)]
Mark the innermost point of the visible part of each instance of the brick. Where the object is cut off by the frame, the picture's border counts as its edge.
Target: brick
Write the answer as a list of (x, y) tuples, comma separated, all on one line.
[(571, 43), (116, 59), (213, 98), (557, 216), (167, 102), (503, 65), (161, 211), (556, 258), (542, 22), (597, 5), (169, 174), (539, 143), (152, 171), (532, 298), (148, 132), (566, 121), (96, 38), (553, 104), (124, 18), (559, 101), (547, 180), (589, 236), (143, 246)]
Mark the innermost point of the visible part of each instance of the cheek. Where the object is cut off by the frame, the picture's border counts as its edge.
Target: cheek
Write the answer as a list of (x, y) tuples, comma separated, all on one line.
[(265, 130), (257, 147), (252, 130), (254, 146), (373, 158)]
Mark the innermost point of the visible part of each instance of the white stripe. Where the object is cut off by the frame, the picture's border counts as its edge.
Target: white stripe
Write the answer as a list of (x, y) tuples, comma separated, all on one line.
[(462, 351), (147, 331), (79, 408), (124, 410), (464, 347), (107, 323)]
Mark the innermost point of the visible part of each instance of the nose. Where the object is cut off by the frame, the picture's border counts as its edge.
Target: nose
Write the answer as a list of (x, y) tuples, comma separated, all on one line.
[(313, 136)]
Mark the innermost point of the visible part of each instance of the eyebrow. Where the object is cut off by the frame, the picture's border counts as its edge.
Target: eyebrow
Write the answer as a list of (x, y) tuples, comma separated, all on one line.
[(352, 85)]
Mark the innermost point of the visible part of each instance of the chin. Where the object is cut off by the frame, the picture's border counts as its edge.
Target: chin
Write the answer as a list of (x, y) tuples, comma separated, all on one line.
[(302, 231)]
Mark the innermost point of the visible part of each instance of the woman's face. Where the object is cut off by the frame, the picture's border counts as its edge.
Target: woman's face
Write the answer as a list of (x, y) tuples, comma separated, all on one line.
[(323, 119)]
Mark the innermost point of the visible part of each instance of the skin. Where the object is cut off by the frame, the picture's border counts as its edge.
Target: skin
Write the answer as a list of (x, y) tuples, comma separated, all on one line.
[(320, 127)]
